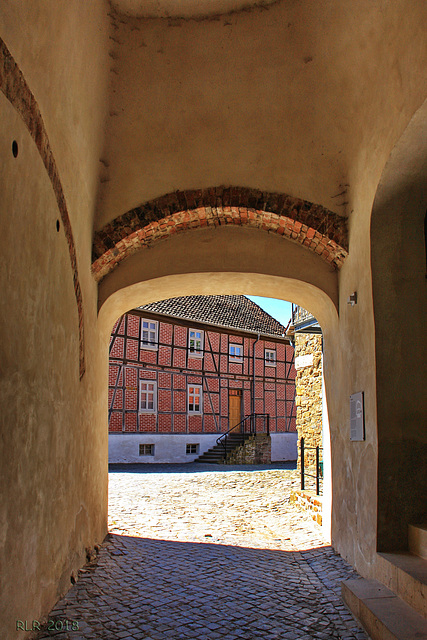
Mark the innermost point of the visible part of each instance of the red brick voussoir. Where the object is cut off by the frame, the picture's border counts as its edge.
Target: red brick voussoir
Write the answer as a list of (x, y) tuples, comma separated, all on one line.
[(313, 226), (17, 91)]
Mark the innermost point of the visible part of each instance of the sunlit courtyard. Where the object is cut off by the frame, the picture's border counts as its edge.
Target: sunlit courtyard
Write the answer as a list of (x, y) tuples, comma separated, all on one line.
[(242, 506)]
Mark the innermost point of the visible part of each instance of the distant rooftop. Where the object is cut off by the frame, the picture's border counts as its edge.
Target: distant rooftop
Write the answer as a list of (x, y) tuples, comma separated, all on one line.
[(303, 321), (237, 312)]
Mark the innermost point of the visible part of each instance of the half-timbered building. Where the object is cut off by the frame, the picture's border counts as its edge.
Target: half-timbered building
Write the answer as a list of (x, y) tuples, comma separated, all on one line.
[(185, 370)]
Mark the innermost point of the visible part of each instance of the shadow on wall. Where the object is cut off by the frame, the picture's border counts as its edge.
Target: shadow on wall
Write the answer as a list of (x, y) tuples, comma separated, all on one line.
[(400, 308)]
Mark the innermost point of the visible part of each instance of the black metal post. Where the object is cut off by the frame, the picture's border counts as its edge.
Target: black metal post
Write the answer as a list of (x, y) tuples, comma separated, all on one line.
[(268, 424), (302, 463), (317, 472)]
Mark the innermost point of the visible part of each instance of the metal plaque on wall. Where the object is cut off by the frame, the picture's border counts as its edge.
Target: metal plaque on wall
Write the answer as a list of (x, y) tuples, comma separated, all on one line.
[(357, 417)]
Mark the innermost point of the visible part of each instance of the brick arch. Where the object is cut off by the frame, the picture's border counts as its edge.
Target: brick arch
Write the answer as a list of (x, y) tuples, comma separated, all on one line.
[(313, 226)]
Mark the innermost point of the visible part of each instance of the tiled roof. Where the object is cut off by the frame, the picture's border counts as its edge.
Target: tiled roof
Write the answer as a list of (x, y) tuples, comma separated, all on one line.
[(237, 312)]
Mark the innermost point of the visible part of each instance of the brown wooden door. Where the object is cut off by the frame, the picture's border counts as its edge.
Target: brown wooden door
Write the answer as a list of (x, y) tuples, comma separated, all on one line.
[(234, 409)]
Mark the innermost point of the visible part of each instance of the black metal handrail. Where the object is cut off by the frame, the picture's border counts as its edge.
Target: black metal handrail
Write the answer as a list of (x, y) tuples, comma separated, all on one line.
[(247, 425), (319, 466)]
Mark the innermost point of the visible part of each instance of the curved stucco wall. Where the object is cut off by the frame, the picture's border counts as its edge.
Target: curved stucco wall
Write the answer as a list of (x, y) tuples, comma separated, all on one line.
[(302, 98), (53, 464), (225, 249)]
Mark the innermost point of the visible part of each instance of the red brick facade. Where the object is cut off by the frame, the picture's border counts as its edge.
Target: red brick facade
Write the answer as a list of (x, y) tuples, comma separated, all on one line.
[(169, 370)]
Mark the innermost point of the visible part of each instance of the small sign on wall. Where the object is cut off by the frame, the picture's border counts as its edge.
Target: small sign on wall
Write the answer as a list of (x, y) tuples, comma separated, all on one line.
[(303, 361), (357, 417)]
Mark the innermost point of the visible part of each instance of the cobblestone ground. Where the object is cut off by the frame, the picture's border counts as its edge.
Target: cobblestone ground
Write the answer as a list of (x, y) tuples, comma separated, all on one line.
[(201, 552)]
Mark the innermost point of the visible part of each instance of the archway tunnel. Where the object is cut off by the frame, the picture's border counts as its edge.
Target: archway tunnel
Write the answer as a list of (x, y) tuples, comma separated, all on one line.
[(117, 119)]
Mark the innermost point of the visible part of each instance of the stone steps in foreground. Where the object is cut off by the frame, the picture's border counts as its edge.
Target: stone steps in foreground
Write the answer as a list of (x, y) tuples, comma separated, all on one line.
[(406, 575), (383, 615)]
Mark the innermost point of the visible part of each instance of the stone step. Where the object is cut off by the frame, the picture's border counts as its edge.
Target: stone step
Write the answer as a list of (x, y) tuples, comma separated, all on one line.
[(382, 614), (406, 575), (216, 453), (417, 535), (211, 455)]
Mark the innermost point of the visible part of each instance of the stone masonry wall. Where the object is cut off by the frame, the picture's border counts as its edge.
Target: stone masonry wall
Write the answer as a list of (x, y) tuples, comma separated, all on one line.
[(256, 450), (309, 396), (308, 501)]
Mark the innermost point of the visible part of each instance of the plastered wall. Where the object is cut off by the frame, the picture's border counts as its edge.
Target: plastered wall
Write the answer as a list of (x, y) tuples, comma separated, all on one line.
[(400, 304), (296, 98), (53, 451)]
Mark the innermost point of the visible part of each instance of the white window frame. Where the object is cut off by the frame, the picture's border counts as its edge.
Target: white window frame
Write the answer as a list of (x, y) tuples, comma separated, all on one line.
[(190, 445), (200, 394), (268, 362), (153, 334), (142, 392), (197, 352), (143, 452), (233, 357)]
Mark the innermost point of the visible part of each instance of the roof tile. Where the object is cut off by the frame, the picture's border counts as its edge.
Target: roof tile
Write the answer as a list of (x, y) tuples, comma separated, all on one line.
[(237, 312)]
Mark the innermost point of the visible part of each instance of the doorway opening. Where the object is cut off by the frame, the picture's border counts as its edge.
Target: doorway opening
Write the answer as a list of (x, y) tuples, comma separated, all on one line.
[(178, 385)]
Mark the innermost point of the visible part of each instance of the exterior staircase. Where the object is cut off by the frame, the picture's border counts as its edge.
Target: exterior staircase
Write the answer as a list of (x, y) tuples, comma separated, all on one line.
[(236, 436), (396, 609), (219, 452)]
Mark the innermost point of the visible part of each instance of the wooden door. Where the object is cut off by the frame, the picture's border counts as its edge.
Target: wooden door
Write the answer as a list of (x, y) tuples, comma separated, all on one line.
[(234, 408)]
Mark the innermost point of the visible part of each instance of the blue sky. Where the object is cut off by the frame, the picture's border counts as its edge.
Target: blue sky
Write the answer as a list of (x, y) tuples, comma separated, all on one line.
[(279, 309)]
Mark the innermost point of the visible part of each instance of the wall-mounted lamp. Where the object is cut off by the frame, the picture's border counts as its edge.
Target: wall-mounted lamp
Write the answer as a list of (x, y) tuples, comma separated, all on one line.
[(352, 298)]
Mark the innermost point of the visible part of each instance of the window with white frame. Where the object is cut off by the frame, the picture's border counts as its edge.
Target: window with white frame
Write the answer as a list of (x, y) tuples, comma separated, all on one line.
[(235, 352), (195, 342), (146, 449), (192, 448), (147, 396), (270, 357), (194, 398), (149, 333)]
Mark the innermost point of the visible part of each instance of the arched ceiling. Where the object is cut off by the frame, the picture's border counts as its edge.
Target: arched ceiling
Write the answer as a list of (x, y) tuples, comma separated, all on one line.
[(304, 98), (322, 232)]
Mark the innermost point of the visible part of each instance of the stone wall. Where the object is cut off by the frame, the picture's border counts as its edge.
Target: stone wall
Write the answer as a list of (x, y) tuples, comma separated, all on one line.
[(308, 501), (256, 450), (309, 395)]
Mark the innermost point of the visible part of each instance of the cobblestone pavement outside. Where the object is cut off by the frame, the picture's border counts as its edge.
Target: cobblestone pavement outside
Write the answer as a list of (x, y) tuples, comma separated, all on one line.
[(203, 552)]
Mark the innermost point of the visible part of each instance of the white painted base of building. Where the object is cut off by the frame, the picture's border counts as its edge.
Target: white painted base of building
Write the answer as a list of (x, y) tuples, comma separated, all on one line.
[(284, 447), (171, 448)]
